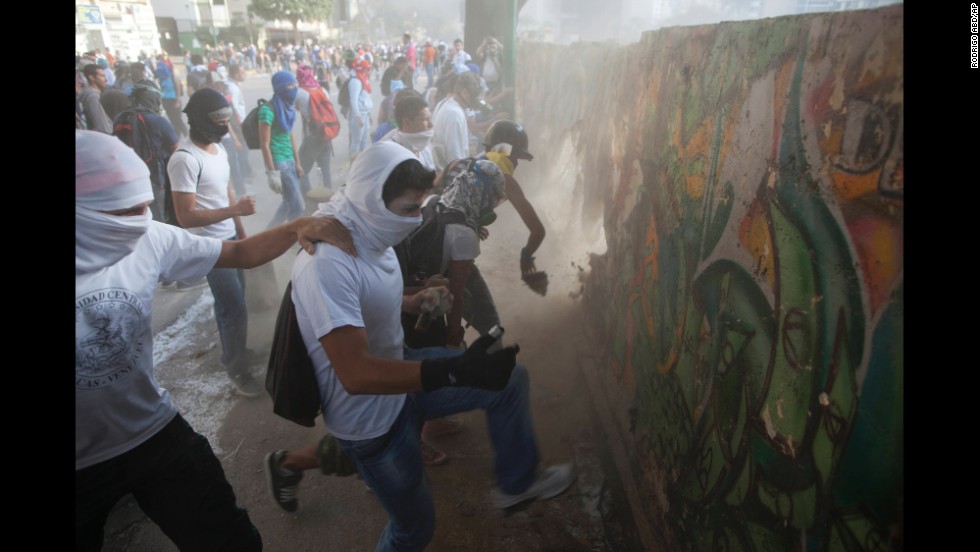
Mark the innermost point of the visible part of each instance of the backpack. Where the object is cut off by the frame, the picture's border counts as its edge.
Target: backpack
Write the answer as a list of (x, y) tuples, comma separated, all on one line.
[(420, 256), (291, 377), (343, 97), (130, 127), (250, 126), (421, 251), (324, 117)]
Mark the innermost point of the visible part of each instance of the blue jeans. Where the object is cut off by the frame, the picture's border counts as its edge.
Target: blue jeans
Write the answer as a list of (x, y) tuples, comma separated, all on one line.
[(428, 73), (391, 465), (315, 150), (360, 133), (178, 482), (293, 205), (228, 288)]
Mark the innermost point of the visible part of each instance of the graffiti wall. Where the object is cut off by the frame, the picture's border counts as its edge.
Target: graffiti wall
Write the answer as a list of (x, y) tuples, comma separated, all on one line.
[(748, 178)]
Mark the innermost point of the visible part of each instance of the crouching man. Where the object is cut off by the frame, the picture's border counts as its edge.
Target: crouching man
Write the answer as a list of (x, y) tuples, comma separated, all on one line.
[(377, 394)]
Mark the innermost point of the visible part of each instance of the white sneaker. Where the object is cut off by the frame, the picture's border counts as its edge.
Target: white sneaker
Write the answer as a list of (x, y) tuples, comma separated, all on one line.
[(550, 482)]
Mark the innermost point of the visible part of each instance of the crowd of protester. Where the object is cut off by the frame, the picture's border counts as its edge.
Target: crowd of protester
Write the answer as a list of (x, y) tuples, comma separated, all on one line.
[(439, 142)]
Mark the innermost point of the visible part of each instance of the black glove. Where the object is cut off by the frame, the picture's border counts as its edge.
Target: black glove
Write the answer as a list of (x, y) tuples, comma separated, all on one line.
[(473, 368)]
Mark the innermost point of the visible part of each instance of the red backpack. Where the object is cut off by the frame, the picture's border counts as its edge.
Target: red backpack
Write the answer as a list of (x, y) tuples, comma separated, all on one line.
[(323, 115)]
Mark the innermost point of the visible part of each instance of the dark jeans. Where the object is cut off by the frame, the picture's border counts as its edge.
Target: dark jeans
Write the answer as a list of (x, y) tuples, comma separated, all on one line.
[(478, 306), (178, 482), (156, 208), (315, 150)]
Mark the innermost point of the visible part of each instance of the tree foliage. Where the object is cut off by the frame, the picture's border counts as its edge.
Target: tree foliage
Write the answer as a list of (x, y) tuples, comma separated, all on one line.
[(293, 11)]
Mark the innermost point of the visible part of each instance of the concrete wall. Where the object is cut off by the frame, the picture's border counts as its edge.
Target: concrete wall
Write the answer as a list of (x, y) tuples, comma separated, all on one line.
[(748, 179)]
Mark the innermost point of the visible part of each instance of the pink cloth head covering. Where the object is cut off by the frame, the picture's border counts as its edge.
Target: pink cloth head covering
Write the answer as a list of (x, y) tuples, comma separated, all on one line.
[(108, 173), (305, 77)]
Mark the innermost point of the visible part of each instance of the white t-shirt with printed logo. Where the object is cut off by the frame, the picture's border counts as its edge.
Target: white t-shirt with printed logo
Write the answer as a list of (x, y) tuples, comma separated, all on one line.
[(118, 404)]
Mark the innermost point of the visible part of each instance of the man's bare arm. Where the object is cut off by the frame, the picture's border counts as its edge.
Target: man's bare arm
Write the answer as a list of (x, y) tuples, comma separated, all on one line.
[(265, 246), (362, 374)]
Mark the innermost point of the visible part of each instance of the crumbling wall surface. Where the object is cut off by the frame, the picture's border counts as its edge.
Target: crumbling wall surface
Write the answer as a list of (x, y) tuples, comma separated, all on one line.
[(749, 181)]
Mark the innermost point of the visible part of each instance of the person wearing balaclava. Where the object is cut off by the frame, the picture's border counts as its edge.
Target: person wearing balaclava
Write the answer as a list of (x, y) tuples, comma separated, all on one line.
[(315, 147), (359, 114), (129, 436), (475, 187), (204, 203), (140, 126), (375, 392), (279, 150)]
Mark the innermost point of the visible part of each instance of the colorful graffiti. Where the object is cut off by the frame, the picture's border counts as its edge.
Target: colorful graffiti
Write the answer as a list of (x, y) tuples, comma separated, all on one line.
[(752, 291)]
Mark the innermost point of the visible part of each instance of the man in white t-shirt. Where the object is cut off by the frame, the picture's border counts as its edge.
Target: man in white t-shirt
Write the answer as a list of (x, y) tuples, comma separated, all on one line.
[(205, 205), (129, 437), (374, 399), (451, 135)]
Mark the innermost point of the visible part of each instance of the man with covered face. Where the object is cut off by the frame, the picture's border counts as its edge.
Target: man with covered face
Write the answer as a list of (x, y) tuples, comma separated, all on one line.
[(129, 437), (414, 127), (160, 135), (204, 203), (375, 393), (280, 153)]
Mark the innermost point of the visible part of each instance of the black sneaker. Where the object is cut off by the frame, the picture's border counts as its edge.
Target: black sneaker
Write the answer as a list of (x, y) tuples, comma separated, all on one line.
[(283, 487), (247, 385)]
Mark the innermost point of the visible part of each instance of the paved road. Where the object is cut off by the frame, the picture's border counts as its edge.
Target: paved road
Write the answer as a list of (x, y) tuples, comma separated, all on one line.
[(339, 513)]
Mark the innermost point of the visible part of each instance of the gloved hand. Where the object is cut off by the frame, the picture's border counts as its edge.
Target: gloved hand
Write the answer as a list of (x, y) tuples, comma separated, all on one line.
[(473, 368), (275, 181)]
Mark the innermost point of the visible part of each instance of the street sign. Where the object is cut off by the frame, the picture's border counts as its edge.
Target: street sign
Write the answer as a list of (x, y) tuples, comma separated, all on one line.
[(90, 15)]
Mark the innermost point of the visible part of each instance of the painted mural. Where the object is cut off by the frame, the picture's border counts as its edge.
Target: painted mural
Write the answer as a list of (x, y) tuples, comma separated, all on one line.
[(749, 179)]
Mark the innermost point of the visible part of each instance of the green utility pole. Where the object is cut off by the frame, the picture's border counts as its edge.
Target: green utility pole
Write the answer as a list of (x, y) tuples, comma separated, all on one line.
[(499, 20)]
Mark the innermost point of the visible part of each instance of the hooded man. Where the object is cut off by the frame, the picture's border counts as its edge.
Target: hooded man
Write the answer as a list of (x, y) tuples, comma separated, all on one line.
[(315, 148), (279, 150), (475, 187), (159, 136), (204, 203), (375, 392), (129, 437)]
